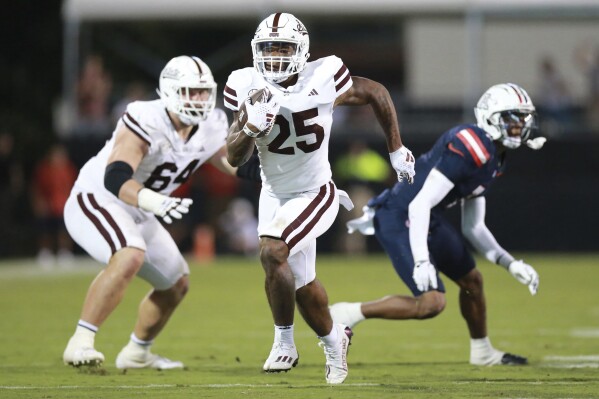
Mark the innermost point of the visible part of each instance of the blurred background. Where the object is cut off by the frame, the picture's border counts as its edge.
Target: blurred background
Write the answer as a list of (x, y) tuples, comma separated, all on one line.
[(70, 68)]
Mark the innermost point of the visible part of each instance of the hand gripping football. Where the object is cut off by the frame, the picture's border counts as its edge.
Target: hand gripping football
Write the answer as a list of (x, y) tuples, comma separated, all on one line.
[(260, 98)]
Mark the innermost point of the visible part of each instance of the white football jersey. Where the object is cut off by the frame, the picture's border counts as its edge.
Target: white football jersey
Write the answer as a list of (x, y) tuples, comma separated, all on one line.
[(294, 157), (170, 160)]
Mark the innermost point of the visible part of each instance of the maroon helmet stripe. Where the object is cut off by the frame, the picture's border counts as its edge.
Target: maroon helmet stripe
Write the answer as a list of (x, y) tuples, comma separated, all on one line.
[(340, 85), (275, 22), (340, 72), (197, 64), (109, 219), (315, 219), (96, 222)]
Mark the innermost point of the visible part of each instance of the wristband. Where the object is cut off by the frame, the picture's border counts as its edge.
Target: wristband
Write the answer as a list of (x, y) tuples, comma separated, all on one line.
[(504, 260), (249, 131)]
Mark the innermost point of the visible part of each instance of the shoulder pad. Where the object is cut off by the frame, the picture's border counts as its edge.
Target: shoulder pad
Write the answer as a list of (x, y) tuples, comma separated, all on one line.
[(136, 116), (236, 88)]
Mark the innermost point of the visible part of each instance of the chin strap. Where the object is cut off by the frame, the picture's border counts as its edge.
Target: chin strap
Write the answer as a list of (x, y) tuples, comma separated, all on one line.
[(536, 143)]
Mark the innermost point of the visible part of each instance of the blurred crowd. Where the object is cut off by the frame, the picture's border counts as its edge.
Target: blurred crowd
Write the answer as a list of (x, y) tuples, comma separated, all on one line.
[(224, 215)]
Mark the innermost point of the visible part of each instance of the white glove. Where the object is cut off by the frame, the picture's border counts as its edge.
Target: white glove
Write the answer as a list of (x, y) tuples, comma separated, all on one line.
[(163, 206), (402, 161), (525, 274), (261, 114), (536, 143), (364, 224), (425, 275)]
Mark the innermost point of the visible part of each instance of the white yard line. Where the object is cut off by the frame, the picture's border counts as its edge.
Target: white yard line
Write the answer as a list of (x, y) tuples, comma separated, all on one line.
[(156, 386)]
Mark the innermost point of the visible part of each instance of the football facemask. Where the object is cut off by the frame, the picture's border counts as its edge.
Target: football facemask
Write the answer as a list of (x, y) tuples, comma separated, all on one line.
[(280, 47)]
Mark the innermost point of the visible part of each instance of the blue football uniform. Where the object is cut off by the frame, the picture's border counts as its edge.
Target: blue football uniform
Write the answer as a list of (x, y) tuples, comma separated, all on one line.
[(467, 157)]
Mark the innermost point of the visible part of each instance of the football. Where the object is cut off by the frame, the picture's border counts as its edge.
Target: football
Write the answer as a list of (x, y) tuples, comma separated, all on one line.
[(257, 95)]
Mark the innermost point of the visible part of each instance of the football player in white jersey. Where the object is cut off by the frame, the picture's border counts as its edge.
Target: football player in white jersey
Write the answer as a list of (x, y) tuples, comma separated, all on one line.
[(289, 117), (112, 209)]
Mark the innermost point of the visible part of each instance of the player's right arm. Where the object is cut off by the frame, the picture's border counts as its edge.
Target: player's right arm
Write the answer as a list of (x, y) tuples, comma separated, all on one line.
[(127, 153), (240, 146)]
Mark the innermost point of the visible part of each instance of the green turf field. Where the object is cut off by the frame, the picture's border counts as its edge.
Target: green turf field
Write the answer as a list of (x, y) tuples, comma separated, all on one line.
[(223, 333)]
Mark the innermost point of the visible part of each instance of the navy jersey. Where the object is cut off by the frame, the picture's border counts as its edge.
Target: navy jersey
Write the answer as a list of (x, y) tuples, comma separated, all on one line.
[(465, 155)]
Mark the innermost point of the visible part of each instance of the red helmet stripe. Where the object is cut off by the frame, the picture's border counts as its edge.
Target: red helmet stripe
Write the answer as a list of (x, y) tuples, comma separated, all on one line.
[(521, 96)]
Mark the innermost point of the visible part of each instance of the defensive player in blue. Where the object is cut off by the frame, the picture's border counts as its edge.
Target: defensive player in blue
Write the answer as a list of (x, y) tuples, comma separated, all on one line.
[(407, 220)]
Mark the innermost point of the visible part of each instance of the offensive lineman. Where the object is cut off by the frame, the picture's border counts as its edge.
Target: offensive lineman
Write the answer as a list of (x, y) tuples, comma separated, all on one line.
[(408, 223), (111, 211), (291, 127)]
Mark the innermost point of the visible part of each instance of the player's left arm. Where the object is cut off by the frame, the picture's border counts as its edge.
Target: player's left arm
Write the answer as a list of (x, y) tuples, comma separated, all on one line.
[(368, 92), (478, 234), (435, 188), (250, 170)]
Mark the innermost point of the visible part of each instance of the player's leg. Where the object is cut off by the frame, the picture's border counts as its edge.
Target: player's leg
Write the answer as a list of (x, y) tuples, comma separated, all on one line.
[(279, 282), (109, 234), (298, 221), (312, 301), (392, 234), (449, 249), (167, 271)]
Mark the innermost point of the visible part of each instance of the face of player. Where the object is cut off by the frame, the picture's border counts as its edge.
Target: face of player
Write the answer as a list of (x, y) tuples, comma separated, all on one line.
[(195, 98), (278, 52), (515, 123)]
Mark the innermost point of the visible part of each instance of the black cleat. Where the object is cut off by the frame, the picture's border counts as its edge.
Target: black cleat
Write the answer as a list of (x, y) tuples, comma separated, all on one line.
[(513, 360)]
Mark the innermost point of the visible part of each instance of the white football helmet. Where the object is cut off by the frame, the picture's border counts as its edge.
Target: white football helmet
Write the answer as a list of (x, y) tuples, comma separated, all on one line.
[(177, 79), (506, 112), (280, 33)]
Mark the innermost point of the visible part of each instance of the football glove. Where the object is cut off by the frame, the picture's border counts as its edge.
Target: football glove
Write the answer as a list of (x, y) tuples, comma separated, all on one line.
[(525, 274), (161, 205), (425, 275), (536, 143), (364, 224), (261, 114), (402, 161)]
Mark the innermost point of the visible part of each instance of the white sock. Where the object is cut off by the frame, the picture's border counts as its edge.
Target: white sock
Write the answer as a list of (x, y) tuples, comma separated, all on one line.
[(85, 336), (332, 338), (138, 345), (284, 334), (354, 312), (140, 342)]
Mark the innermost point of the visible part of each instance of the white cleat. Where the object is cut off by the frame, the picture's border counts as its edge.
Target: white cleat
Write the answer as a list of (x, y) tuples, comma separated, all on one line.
[(336, 365), (77, 355), (130, 358), (498, 358), (282, 358)]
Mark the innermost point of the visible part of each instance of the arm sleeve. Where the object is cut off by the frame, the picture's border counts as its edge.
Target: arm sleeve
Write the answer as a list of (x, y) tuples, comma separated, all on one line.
[(478, 234), (250, 170), (435, 188)]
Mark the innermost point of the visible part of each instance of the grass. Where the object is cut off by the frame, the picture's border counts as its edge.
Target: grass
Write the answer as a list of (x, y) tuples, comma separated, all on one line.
[(223, 332)]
